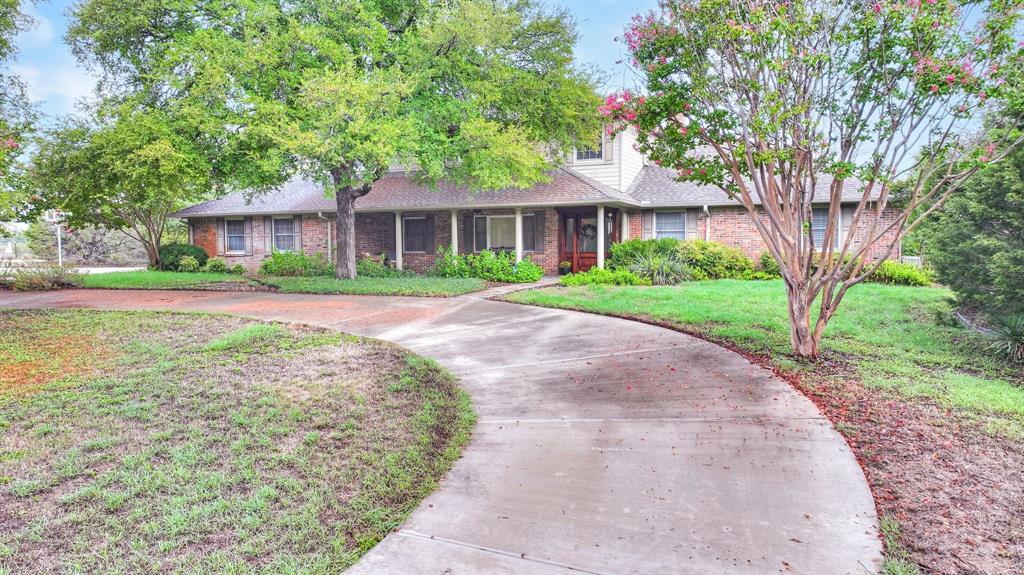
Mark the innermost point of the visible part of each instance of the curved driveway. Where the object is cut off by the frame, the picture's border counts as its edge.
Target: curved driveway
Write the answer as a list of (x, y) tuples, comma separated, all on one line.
[(603, 445)]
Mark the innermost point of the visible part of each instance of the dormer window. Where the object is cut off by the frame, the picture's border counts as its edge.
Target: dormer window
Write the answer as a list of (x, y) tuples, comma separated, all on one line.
[(595, 153)]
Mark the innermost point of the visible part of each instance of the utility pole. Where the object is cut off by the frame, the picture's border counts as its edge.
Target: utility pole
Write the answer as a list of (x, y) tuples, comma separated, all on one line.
[(54, 217)]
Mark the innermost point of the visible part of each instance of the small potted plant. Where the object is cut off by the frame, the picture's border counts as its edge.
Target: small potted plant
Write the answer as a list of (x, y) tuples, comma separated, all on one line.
[(564, 268)]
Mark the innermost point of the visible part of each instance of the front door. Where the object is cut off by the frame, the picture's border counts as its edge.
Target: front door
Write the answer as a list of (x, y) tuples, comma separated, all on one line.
[(579, 238)]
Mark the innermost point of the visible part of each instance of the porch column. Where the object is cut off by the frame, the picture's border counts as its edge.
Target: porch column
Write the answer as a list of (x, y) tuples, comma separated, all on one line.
[(519, 234), (600, 236), (398, 240), (455, 232), (624, 235)]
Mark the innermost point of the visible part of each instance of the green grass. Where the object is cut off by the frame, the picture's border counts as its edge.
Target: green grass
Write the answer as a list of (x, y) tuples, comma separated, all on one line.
[(403, 286), (145, 279), (897, 338), (399, 286), (193, 444)]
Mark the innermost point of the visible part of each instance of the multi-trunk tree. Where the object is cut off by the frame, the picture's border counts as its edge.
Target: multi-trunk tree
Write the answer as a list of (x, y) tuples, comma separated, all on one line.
[(482, 93), (784, 105), (124, 168)]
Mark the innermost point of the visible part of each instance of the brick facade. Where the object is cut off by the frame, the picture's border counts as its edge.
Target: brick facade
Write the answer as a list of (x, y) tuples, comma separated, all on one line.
[(375, 235), (733, 226)]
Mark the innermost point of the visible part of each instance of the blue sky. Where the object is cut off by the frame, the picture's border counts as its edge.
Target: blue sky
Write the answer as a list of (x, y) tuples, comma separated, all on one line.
[(56, 80)]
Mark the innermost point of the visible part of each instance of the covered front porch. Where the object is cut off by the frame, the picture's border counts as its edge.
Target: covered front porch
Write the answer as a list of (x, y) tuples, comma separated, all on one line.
[(580, 235)]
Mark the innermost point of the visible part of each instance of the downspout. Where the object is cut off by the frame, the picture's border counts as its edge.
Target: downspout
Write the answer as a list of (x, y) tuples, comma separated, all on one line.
[(707, 224), (330, 245)]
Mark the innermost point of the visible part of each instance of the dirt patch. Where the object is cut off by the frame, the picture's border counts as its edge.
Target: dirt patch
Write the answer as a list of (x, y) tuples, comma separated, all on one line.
[(51, 359), (957, 492)]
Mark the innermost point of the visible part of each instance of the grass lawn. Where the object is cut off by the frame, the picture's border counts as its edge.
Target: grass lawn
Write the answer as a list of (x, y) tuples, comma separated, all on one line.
[(184, 443), (935, 418), (403, 286)]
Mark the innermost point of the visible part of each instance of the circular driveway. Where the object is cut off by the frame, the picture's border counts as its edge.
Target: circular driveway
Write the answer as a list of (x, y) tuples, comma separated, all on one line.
[(603, 445)]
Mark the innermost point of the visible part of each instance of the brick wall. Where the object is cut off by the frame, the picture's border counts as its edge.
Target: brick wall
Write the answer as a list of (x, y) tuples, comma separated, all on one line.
[(733, 226)]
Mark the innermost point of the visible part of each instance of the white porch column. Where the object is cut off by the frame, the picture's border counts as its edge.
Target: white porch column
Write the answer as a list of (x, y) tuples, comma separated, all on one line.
[(455, 232), (398, 240), (600, 236), (519, 234), (624, 235)]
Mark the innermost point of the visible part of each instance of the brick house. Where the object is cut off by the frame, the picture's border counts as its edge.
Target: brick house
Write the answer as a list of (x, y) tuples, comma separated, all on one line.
[(599, 197)]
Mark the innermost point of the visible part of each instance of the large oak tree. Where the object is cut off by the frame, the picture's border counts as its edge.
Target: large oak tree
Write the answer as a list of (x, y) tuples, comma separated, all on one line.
[(478, 92), (783, 105)]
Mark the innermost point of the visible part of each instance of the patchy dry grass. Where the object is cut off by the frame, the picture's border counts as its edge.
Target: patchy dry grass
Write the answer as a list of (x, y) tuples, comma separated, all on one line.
[(172, 443)]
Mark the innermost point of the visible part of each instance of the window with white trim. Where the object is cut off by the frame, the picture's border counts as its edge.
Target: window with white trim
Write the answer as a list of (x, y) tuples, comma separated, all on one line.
[(414, 234), (819, 221), (234, 231), (670, 225), (284, 234), (588, 153), (499, 233)]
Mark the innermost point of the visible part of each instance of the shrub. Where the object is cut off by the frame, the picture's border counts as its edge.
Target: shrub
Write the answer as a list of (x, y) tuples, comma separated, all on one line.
[(896, 273), (488, 265), (171, 253), (769, 265), (599, 276), (661, 269), (295, 264), (215, 266), (378, 267), (1009, 337), (451, 265), (712, 260), (45, 278), (625, 254), (188, 264), (237, 269)]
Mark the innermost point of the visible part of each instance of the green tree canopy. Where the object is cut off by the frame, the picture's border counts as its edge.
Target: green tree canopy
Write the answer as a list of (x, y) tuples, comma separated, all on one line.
[(765, 99), (17, 114), (123, 168), (471, 91)]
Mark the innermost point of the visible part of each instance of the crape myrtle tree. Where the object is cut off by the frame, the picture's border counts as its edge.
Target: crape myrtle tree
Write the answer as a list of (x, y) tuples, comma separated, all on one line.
[(340, 90), (122, 167), (783, 104)]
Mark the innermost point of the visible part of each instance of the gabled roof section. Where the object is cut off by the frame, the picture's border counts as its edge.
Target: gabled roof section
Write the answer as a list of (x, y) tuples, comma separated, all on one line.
[(657, 187), (397, 191)]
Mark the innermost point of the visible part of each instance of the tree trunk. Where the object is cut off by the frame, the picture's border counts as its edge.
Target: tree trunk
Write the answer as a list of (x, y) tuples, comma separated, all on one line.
[(803, 340), (153, 253), (345, 235)]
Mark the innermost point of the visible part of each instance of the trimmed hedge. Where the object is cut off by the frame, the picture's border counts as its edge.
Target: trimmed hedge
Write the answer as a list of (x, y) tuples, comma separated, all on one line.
[(171, 254), (901, 274), (714, 261), (598, 276), (294, 264)]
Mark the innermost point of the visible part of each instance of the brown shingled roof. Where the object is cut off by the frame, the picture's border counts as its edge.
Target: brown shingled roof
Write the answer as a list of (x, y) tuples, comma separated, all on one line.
[(397, 191), (657, 187)]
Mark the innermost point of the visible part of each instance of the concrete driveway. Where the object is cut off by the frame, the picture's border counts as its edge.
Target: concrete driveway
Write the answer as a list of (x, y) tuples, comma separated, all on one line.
[(603, 445)]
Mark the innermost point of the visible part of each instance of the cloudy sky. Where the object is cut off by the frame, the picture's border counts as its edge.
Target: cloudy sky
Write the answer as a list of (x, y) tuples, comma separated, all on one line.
[(56, 80)]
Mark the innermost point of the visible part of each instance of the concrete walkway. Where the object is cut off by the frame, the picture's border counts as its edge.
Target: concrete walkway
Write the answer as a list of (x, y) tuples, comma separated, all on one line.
[(603, 445)]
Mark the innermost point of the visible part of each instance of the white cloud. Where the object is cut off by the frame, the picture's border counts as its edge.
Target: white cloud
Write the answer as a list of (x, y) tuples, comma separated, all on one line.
[(40, 33), (58, 86)]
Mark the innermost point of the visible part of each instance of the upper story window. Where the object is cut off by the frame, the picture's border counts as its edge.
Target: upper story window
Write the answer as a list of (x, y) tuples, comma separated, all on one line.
[(235, 232), (588, 153)]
